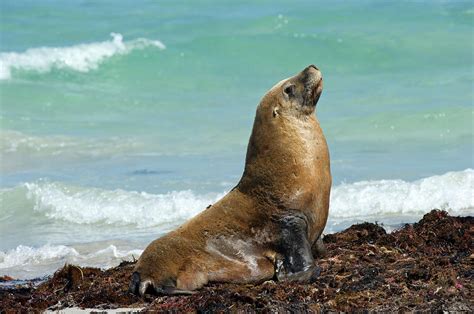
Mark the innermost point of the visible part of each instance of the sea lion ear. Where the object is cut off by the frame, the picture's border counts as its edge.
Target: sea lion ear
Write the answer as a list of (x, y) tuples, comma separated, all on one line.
[(275, 112)]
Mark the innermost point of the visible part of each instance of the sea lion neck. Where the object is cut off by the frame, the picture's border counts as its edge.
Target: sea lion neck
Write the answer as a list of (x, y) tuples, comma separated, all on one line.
[(282, 158)]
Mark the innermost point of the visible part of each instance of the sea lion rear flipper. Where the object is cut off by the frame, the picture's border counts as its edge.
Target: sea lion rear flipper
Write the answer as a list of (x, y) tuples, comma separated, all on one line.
[(295, 261)]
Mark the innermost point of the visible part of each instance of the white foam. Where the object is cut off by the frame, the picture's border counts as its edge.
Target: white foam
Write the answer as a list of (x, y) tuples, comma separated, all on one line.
[(25, 255), (28, 262), (82, 57), (452, 191), (119, 207), (380, 200)]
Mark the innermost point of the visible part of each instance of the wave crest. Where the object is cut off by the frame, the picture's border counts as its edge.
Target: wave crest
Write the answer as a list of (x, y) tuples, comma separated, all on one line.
[(29, 262), (25, 255), (81, 58), (118, 207), (452, 191), (381, 199)]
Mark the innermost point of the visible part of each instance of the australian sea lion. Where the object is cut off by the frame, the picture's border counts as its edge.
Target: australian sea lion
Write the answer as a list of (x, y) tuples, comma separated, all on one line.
[(264, 227)]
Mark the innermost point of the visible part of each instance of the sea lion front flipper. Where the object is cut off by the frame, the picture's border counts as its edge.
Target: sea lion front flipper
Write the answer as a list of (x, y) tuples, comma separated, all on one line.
[(295, 260)]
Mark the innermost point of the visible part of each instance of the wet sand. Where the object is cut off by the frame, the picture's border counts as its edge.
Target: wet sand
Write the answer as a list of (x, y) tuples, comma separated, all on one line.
[(426, 266)]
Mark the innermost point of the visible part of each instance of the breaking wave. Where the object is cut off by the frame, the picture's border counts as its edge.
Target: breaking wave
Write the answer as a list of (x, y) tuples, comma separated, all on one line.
[(452, 191), (380, 200), (28, 262), (81, 58), (118, 207)]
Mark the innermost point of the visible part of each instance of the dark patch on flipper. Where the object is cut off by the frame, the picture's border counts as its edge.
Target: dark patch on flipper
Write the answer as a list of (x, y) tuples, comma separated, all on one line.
[(134, 283), (319, 249), (295, 261)]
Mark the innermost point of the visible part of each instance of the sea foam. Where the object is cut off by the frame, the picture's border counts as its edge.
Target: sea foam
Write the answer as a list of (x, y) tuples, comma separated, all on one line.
[(452, 191), (82, 57), (378, 200), (25, 255), (29, 262), (118, 207)]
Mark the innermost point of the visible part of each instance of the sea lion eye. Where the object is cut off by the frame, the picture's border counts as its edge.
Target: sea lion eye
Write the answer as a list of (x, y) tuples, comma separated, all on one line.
[(290, 90)]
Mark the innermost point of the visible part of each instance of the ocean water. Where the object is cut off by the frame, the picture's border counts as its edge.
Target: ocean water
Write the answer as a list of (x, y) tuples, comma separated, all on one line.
[(121, 120)]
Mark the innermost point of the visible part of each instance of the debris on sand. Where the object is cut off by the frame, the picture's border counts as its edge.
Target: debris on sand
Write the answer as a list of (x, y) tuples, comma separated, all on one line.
[(427, 266)]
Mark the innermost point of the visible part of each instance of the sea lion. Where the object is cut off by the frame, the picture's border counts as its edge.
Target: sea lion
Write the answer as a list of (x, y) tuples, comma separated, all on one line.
[(266, 225)]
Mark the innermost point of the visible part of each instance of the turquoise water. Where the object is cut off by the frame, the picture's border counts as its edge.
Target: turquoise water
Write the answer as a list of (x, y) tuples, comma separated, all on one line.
[(120, 120)]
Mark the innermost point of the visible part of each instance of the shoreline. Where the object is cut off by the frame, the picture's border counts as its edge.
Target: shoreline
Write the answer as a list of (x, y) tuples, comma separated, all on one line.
[(424, 266)]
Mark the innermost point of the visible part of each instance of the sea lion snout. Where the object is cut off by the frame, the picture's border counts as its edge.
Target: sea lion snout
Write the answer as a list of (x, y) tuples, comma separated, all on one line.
[(312, 68), (311, 74), (312, 79)]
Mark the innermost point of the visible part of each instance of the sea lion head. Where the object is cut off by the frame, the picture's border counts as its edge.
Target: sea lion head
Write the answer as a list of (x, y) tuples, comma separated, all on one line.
[(295, 96)]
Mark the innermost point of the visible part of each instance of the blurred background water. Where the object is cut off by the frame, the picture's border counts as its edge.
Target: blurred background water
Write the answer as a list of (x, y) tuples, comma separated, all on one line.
[(120, 120)]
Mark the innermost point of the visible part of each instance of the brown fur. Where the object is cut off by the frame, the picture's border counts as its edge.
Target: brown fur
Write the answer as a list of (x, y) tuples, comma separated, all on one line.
[(287, 170)]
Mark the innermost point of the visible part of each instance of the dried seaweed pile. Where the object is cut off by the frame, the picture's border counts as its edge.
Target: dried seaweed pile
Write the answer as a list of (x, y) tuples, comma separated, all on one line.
[(426, 266)]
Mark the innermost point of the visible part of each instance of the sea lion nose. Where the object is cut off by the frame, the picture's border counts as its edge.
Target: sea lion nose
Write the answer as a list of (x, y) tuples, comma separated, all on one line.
[(312, 70), (311, 73)]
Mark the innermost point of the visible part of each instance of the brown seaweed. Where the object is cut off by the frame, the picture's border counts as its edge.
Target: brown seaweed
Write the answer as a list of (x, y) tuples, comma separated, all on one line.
[(427, 266)]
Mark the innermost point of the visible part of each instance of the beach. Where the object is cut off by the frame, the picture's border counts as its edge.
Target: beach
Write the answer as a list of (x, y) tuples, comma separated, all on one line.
[(421, 267), (121, 121)]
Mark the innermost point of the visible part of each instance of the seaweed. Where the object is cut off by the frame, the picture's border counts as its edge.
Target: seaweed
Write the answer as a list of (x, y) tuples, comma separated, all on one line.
[(423, 267)]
